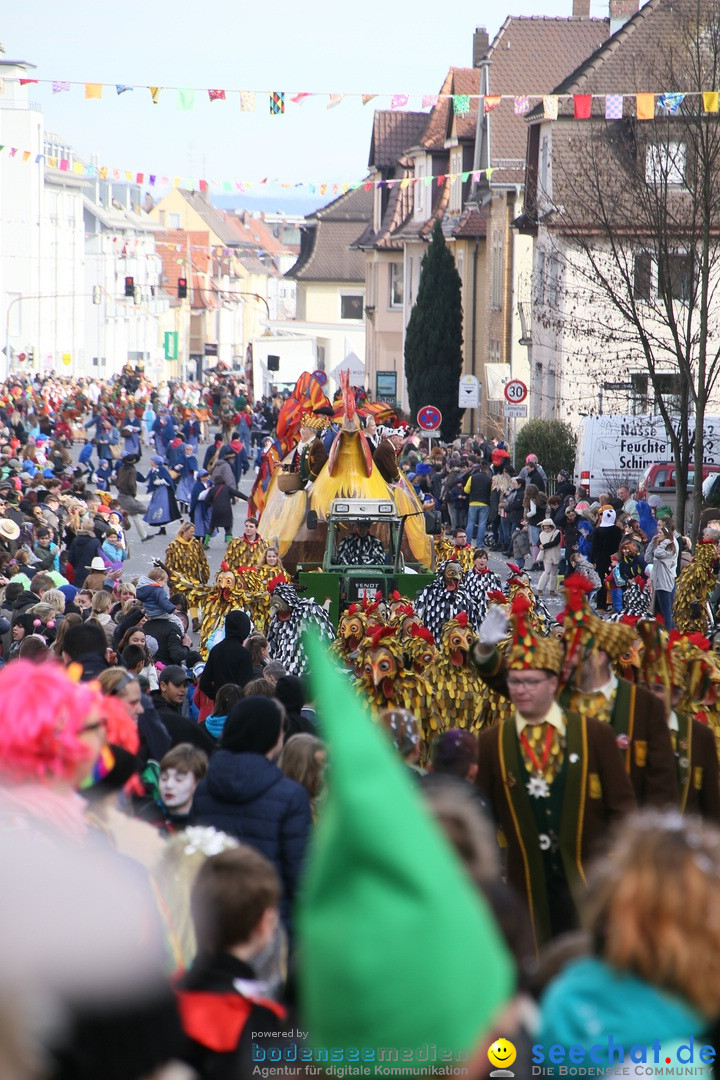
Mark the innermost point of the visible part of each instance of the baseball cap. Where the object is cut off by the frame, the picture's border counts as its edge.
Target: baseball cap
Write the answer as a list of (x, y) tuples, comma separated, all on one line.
[(174, 674), (530, 457)]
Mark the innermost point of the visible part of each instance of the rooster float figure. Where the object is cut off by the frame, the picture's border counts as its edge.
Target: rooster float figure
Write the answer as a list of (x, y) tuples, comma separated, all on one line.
[(457, 689), (350, 632), (384, 681)]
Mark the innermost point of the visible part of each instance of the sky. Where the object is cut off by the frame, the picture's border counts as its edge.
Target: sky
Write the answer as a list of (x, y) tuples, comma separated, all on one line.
[(310, 47)]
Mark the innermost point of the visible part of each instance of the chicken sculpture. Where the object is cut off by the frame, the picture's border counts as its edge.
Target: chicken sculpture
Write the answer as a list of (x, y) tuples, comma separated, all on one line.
[(457, 689), (384, 680)]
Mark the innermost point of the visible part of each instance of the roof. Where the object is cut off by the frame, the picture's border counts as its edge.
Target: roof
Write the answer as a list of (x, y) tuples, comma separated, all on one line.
[(526, 52), (117, 219), (457, 81), (393, 133), (327, 252), (216, 220), (470, 224), (628, 61), (173, 246)]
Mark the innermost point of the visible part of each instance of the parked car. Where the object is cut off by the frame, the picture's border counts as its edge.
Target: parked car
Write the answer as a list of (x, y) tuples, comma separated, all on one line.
[(659, 479)]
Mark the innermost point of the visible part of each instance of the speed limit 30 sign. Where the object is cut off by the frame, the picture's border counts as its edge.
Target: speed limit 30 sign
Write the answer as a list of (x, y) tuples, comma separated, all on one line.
[(515, 391)]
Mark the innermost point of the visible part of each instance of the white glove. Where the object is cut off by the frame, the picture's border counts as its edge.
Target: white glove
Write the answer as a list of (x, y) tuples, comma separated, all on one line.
[(494, 627), (161, 483)]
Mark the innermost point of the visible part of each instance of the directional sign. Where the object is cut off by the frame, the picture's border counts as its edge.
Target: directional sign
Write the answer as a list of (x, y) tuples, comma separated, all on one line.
[(515, 410), (515, 391), (320, 377), (469, 392), (429, 418)]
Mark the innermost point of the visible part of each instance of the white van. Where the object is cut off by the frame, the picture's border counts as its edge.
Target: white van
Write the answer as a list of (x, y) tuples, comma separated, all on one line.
[(613, 449)]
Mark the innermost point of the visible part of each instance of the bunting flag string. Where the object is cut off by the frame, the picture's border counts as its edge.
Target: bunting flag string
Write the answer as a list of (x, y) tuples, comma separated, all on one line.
[(670, 101)]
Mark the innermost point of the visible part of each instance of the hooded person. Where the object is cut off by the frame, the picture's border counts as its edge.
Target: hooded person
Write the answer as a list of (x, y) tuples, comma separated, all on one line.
[(229, 661), (247, 796), (382, 876), (605, 542)]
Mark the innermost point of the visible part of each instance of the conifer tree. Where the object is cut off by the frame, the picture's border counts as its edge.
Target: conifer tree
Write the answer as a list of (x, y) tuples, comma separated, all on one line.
[(433, 339)]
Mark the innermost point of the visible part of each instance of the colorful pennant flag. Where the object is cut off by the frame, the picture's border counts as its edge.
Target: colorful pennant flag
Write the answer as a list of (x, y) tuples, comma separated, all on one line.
[(122, 88), (247, 101), (671, 102), (26, 155), (613, 106), (429, 101), (335, 99), (27, 82), (521, 105), (398, 101), (645, 106), (155, 94), (93, 90), (185, 100), (491, 102), (711, 101), (277, 102), (550, 106), (461, 104), (297, 98), (151, 179), (582, 106), (59, 87), (368, 97), (64, 163), (216, 95)]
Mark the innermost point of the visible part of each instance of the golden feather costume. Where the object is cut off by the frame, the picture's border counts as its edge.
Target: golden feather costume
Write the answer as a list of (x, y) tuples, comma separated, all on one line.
[(694, 587), (457, 689)]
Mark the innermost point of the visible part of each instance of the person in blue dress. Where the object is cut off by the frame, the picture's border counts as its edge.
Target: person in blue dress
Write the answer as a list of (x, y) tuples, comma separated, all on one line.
[(186, 467), (163, 506), (200, 506)]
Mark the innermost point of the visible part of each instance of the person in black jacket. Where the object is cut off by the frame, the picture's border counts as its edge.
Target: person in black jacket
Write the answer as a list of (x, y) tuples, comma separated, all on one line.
[(81, 552), (229, 661), (247, 796), (168, 702), (174, 647), (477, 488), (220, 500)]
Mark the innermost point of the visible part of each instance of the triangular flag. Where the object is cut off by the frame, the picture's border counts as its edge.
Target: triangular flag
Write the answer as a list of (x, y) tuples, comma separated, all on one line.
[(185, 100), (38, 158), (381, 875), (103, 172), (13, 151), (297, 98), (151, 179), (247, 101), (398, 101), (93, 90), (367, 186), (122, 88), (78, 168), (550, 106), (26, 155), (216, 95), (441, 180), (277, 102), (128, 176), (26, 82), (582, 106), (404, 183), (59, 87), (427, 181), (488, 174), (491, 102), (429, 101), (711, 101), (671, 102), (367, 97), (613, 106), (139, 178), (461, 104), (466, 177), (64, 163), (645, 106), (521, 105), (335, 99)]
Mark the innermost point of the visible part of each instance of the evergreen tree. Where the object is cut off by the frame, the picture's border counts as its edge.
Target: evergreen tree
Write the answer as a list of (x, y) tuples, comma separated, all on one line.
[(433, 339)]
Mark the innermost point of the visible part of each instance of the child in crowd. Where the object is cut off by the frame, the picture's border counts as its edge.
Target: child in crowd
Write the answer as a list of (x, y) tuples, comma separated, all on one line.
[(228, 1022), (181, 769), (153, 594), (112, 550), (615, 584), (521, 544), (550, 540), (581, 565)]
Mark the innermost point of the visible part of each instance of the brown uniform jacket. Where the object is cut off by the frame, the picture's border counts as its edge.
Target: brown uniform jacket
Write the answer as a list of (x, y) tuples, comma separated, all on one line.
[(597, 795), (386, 461), (697, 769)]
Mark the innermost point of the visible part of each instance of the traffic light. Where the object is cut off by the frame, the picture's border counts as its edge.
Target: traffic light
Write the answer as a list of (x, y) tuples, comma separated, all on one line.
[(31, 355), (182, 288), (130, 287)]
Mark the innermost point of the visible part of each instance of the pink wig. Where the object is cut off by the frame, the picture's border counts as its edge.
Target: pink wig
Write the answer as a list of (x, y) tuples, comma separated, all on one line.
[(42, 712)]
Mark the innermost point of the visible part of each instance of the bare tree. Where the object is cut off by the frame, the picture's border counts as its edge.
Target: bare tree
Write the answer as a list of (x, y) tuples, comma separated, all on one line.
[(633, 219)]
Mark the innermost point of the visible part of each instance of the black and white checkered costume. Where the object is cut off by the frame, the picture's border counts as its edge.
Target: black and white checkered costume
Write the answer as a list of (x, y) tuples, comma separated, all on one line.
[(435, 604), (359, 550), (285, 637)]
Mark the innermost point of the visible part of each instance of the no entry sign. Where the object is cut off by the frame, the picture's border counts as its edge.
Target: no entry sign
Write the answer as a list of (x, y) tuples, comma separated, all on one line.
[(429, 418)]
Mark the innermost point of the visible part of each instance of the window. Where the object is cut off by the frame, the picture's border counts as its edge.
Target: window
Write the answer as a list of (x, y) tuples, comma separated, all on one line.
[(679, 277), (639, 404), (642, 276), (456, 184), (410, 279), (351, 307), (554, 282), (669, 387), (459, 264), (173, 221), (496, 289), (494, 352), (540, 278), (396, 285), (665, 163)]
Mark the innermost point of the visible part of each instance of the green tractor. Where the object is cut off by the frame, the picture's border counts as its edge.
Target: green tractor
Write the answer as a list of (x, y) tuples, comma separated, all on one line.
[(342, 583)]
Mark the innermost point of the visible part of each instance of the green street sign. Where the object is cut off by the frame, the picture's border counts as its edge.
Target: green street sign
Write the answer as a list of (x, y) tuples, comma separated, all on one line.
[(171, 345)]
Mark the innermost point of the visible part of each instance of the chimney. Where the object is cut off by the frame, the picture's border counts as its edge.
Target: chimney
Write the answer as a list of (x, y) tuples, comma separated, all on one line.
[(581, 8), (621, 11), (481, 44)]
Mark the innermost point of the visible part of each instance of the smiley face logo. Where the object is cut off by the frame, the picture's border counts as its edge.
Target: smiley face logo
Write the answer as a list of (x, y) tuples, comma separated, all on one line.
[(502, 1053)]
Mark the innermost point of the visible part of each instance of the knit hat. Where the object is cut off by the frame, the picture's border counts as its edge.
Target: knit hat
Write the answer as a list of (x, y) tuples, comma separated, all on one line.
[(238, 624), (526, 650), (253, 726), (381, 877)]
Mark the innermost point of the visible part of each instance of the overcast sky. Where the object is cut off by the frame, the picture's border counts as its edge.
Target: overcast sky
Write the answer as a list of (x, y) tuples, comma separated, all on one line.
[(314, 47)]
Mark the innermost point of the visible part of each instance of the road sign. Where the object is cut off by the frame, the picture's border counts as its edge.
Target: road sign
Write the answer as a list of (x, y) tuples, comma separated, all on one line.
[(429, 418), (515, 410), (469, 392), (320, 377), (515, 391), (171, 344), (210, 348)]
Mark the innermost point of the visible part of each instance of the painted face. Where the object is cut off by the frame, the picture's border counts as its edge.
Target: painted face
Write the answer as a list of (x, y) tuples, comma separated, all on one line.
[(250, 530), (177, 789), (379, 666)]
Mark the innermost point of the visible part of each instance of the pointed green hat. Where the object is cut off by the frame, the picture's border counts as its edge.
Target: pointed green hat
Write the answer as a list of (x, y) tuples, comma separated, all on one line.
[(397, 948)]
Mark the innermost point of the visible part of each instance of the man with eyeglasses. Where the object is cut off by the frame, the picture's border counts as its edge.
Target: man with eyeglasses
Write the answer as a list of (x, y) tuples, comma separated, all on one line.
[(554, 779)]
